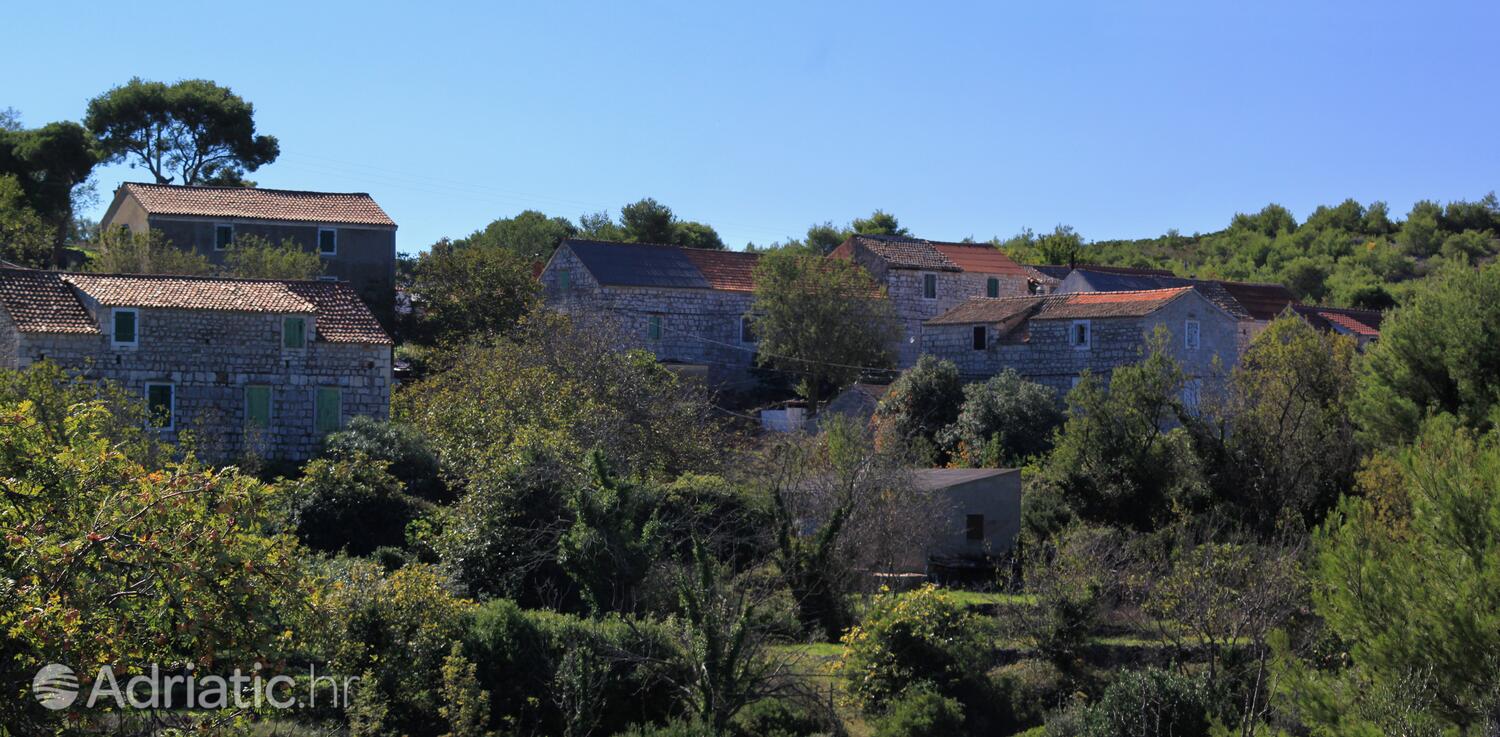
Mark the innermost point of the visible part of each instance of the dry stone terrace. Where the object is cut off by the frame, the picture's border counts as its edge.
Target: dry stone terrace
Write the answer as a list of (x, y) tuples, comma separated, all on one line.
[(261, 366)]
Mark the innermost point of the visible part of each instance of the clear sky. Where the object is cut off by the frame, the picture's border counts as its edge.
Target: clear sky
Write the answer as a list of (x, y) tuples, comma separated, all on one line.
[(1122, 119)]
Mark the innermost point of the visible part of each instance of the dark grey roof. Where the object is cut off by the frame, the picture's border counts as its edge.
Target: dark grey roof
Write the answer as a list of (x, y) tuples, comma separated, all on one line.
[(638, 264), (1103, 281), (932, 479)]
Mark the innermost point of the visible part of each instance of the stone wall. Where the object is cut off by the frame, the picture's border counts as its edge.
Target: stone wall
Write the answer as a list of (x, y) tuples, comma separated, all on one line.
[(1040, 350), (698, 326), (210, 357)]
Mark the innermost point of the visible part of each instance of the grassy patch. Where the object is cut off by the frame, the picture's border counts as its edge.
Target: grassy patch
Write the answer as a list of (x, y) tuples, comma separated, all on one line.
[(988, 598)]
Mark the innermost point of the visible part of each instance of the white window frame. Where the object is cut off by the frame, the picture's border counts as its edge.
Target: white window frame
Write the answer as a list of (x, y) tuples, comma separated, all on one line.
[(124, 343), (230, 226), (171, 405), (934, 280), (1088, 335), (744, 324), (1192, 335), (335, 232)]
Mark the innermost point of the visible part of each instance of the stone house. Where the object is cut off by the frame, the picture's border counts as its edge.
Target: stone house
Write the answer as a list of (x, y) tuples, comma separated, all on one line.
[(690, 307), (976, 516), (1361, 325), (1255, 305), (247, 365), (924, 279), (355, 238), (1053, 339)]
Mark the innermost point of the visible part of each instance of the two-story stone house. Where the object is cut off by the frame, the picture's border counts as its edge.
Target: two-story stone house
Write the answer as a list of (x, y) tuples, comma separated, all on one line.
[(1053, 339), (924, 279), (690, 307), (1255, 305), (354, 237), (259, 365)]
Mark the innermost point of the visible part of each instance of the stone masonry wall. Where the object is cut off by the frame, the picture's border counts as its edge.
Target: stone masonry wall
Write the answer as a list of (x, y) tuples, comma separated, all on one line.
[(1041, 352), (698, 326), (210, 357)]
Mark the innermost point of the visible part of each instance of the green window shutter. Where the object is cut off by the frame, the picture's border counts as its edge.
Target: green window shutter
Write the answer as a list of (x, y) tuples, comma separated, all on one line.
[(653, 327), (293, 332), (329, 409), (159, 405), (124, 326), (258, 407), (564, 279), (992, 287)]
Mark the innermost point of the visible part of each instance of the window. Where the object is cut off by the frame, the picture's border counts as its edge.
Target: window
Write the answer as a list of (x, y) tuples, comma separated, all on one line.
[(328, 410), (161, 405), (1078, 337), (747, 329), (1192, 391), (258, 407), (1190, 335), (929, 286), (981, 337), (974, 528), (653, 327), (328, 241), (126, 327), (223, 237), (992, 287), (294, 332), (564, 279)]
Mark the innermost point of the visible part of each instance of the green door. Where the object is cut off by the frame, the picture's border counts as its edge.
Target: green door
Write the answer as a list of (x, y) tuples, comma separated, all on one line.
[(329, 409)]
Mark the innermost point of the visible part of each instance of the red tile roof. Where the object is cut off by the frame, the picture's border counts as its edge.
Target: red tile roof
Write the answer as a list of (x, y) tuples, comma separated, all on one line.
[(980, 258), (41, 302), (732, 271), (1081, 305), (1364, 323), (48, 301), (899, 252), (352, 208)]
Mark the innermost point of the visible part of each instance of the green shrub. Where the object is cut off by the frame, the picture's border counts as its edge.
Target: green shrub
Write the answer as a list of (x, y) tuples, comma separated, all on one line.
[(1003, 422), (1149, 703), (778, 718), (907, 640), (922, 713), (1030, 689), (675, 728), (405, 449), (352, 505)]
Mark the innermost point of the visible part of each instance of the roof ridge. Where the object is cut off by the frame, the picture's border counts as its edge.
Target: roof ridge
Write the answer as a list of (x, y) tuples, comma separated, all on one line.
[(230, 188), (1131, 291), (657, 245), (199, 277)]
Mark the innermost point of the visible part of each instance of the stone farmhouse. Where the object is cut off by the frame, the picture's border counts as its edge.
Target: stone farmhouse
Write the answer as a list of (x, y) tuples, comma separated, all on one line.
[(1254, 304), (246, 365), (924, 279), (1053, 339), (1361, 325), (355, 238), (688, 306)]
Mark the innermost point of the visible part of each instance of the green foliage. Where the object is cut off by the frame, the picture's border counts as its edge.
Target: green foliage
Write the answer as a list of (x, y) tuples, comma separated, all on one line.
[(1440, 353), (820, 319), (118, 251), (1411, 581), (910, 641), (921, 403), (649, 221), (1004, 421), (409, 455), (469, 292), (47, 165), (922, 712), (1279, 446), (1114, 463), (1073, 577), (107, 560), (613, 541), (351, 505), (253, 257), (465, 707), (530, 235), (1150, 703), (25, 239), (729, 521), (778, 717), (398, 631), (190, 132), (879, 222)]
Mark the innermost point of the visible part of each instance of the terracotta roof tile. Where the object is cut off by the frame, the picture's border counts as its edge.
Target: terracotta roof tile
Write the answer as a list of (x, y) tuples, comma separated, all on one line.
[(44, 301), (352, 208), (1081, 305), (901, 252), (1364, 323), (983, 259), (732, 271), (41, 302)]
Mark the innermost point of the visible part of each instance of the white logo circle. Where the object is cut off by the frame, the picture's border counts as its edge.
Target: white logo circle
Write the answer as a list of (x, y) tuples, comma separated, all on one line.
[(55, 686)]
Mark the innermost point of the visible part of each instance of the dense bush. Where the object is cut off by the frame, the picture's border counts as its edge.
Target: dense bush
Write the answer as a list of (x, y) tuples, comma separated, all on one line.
[(1150, 703), (780, 717), (408, 455), (350, 505), (922, 401), (922, 712), (909, 640), (1003, 422)]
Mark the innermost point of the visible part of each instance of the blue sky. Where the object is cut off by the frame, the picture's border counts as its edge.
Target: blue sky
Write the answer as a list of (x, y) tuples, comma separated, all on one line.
[(1122, 119)]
